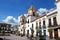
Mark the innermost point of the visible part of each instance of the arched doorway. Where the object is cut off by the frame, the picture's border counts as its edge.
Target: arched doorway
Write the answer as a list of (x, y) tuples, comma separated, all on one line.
[(56, 33), (50, 33), (27, 33)]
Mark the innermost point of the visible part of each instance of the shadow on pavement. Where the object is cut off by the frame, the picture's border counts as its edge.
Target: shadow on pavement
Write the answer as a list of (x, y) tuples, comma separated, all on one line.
[(1, 38), (6, 39)]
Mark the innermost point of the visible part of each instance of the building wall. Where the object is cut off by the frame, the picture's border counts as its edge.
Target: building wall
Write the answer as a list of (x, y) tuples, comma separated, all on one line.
[(5, 29), (34, 25), (50, 15), (58, 8), (46, 18), (59, 32)]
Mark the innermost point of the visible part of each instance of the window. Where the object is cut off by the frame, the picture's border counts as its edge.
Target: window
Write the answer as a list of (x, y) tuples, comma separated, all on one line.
[(54, 21), (33, 13), (32, 25), (49, 22), (44, 24), (27, 32), (28, 20), (21, 29), (39, 24), (36, 25), (44, 32), (5, 29), (23, 20), (0, 28)]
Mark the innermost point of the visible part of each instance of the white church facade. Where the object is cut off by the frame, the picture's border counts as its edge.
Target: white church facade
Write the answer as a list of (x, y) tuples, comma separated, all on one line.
[(48, 24)]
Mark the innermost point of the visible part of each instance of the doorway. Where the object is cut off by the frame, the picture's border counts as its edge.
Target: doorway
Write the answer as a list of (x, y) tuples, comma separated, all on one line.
[(55, 33), (27, 33)]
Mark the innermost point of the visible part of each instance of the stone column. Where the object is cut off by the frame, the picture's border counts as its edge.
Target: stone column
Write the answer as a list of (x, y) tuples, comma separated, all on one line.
[(53, 33), (52, 20), (58, 32), (42, 26), (47, 33)]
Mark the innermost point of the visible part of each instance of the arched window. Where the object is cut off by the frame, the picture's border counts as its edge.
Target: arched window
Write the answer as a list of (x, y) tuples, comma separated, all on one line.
[(40, 25), (23, 20), (49, 22), (44, 26), (36, 25), (43, 22), (33, 13), (28, 20), (32, 25), (54, 21)]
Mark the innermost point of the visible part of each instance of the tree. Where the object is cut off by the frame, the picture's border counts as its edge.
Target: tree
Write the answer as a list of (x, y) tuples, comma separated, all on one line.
[(32, 32)]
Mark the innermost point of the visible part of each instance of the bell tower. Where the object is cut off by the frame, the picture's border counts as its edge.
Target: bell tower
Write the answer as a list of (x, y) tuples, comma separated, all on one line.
[(22, 19), (31, 11), (23, 22)]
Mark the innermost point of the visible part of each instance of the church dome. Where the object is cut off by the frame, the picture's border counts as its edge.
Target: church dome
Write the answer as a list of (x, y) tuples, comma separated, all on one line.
[(31, 10)]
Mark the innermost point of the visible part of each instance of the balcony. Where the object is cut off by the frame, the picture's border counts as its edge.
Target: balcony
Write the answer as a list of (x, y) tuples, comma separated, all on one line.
[(50, 25), (44, 26), (54, 25)]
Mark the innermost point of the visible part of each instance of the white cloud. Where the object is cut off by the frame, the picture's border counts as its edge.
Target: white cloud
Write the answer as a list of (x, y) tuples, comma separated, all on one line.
[(11, 20), (26, 14), (42, 10)]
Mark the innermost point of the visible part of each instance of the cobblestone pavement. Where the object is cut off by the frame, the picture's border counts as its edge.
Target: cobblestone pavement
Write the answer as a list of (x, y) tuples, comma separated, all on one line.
[(13, 37)]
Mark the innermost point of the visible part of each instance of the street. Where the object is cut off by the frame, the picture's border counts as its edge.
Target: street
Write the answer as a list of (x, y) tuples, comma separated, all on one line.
[(13, 37)]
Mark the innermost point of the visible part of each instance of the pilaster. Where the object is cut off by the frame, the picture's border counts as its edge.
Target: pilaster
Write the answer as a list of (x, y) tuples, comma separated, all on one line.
[(52, 20), (58, 32), (53, 33)]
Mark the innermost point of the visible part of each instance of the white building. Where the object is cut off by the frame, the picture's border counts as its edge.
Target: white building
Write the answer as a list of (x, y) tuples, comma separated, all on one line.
[(48, 23)]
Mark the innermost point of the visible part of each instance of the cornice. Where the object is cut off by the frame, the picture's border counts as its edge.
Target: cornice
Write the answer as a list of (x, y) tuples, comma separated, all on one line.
[(57, 1)]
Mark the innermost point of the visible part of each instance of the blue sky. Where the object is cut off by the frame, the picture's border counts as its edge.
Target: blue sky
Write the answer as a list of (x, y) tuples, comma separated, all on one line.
[(16, 8)]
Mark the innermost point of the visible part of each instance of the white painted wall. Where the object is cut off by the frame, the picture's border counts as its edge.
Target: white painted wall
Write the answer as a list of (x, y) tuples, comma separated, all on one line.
[(58, 9), (59, 32), (46, 19)]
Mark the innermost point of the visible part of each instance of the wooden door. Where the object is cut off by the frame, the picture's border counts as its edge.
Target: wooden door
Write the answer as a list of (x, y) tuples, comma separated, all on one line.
[(55, 33), (51, 35)]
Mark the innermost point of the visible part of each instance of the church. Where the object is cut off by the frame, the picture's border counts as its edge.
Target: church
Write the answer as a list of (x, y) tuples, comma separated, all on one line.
[(47, 24)]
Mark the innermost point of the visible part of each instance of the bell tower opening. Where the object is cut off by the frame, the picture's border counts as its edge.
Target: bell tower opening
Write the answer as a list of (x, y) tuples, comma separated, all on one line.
[(22, 19), (33, 13)]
